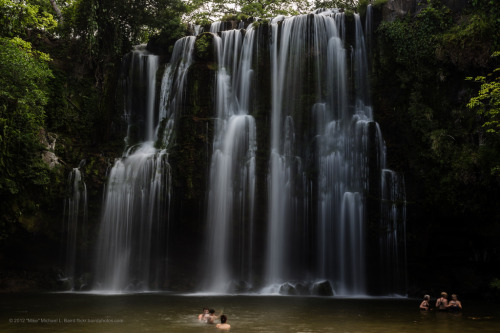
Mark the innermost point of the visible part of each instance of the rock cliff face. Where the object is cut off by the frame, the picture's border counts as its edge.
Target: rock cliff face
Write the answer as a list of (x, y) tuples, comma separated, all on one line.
[(399, 8), (48, 140)]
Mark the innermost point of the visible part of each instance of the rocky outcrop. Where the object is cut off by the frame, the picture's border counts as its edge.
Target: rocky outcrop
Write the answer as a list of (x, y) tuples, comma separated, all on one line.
[(399, 8), (48, 140), (323, 288)]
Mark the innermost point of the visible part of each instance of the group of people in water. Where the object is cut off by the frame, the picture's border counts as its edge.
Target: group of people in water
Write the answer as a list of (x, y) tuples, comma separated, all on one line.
[(208, 316), (442, 303)]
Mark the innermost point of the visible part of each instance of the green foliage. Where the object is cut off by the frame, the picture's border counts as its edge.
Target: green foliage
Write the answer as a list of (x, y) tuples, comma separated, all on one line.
[(424, 59), (17, 18), (341, 4), (203, 11), (469, 43), (24, 90), (203, 48), (24, 74), (487, 102), (108, 29), (489, 8), (415, 39), (421, 114), (361, 8), (495, 284), (95, 36)]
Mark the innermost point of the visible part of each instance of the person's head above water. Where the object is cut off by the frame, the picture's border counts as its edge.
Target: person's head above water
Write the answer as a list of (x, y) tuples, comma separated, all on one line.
[(211, 311), (223, 319)]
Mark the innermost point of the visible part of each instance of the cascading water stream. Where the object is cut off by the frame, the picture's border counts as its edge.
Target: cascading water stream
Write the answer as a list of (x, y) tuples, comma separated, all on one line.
[(133, 237), (172, 88), (287, 60), (76, 213), (232, 171), (369, 31), (360, 70), (344, 134), (301, 51)]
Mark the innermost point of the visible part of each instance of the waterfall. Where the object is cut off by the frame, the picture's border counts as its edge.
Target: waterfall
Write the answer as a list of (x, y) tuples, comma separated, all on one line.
[(232, 170), (139, 109), (75, 224), (360, 69), (344, 135), (172, 88), (198, 29), (369, 31), (298, 56), (309, 144), (133, 237)]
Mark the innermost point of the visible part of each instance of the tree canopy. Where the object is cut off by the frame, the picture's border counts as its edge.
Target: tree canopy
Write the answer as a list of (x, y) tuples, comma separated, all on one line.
[(487, 101), (24, 74), (206, 11)]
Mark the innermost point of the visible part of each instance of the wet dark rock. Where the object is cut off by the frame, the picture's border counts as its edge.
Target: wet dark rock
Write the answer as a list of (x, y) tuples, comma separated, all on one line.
[(287, 289), (394, 9), (323, 289), (303, 289), (240, 287)]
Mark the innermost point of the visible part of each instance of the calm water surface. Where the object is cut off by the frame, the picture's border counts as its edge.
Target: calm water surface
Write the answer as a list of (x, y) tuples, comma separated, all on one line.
[(160, 312)]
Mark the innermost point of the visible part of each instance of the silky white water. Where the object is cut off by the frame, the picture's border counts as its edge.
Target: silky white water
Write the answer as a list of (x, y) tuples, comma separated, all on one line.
[(75, 226), (232, 170), (131, 249)]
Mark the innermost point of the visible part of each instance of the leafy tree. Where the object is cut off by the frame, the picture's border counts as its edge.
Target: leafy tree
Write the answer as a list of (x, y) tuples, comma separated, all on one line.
[(24, 77), (52, 7), (271, 8), (487, 105), (101, 32), (17, 18), (215, 10), (24, 74), (111, 27), (343, 4), (487, 101), (415, 39)]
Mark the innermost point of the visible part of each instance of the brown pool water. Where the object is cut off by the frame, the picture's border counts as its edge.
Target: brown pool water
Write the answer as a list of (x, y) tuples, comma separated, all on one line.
[(162, 312)]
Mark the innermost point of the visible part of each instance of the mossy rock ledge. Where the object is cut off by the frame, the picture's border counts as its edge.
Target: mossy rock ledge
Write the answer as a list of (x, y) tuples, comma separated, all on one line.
[(204, 47)]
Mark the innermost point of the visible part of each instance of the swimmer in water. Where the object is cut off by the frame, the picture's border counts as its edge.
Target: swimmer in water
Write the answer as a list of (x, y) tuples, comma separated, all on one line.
[(442, 302), (203, 315), (454, 304), (210, 318), (223, 325), (425, 306)]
